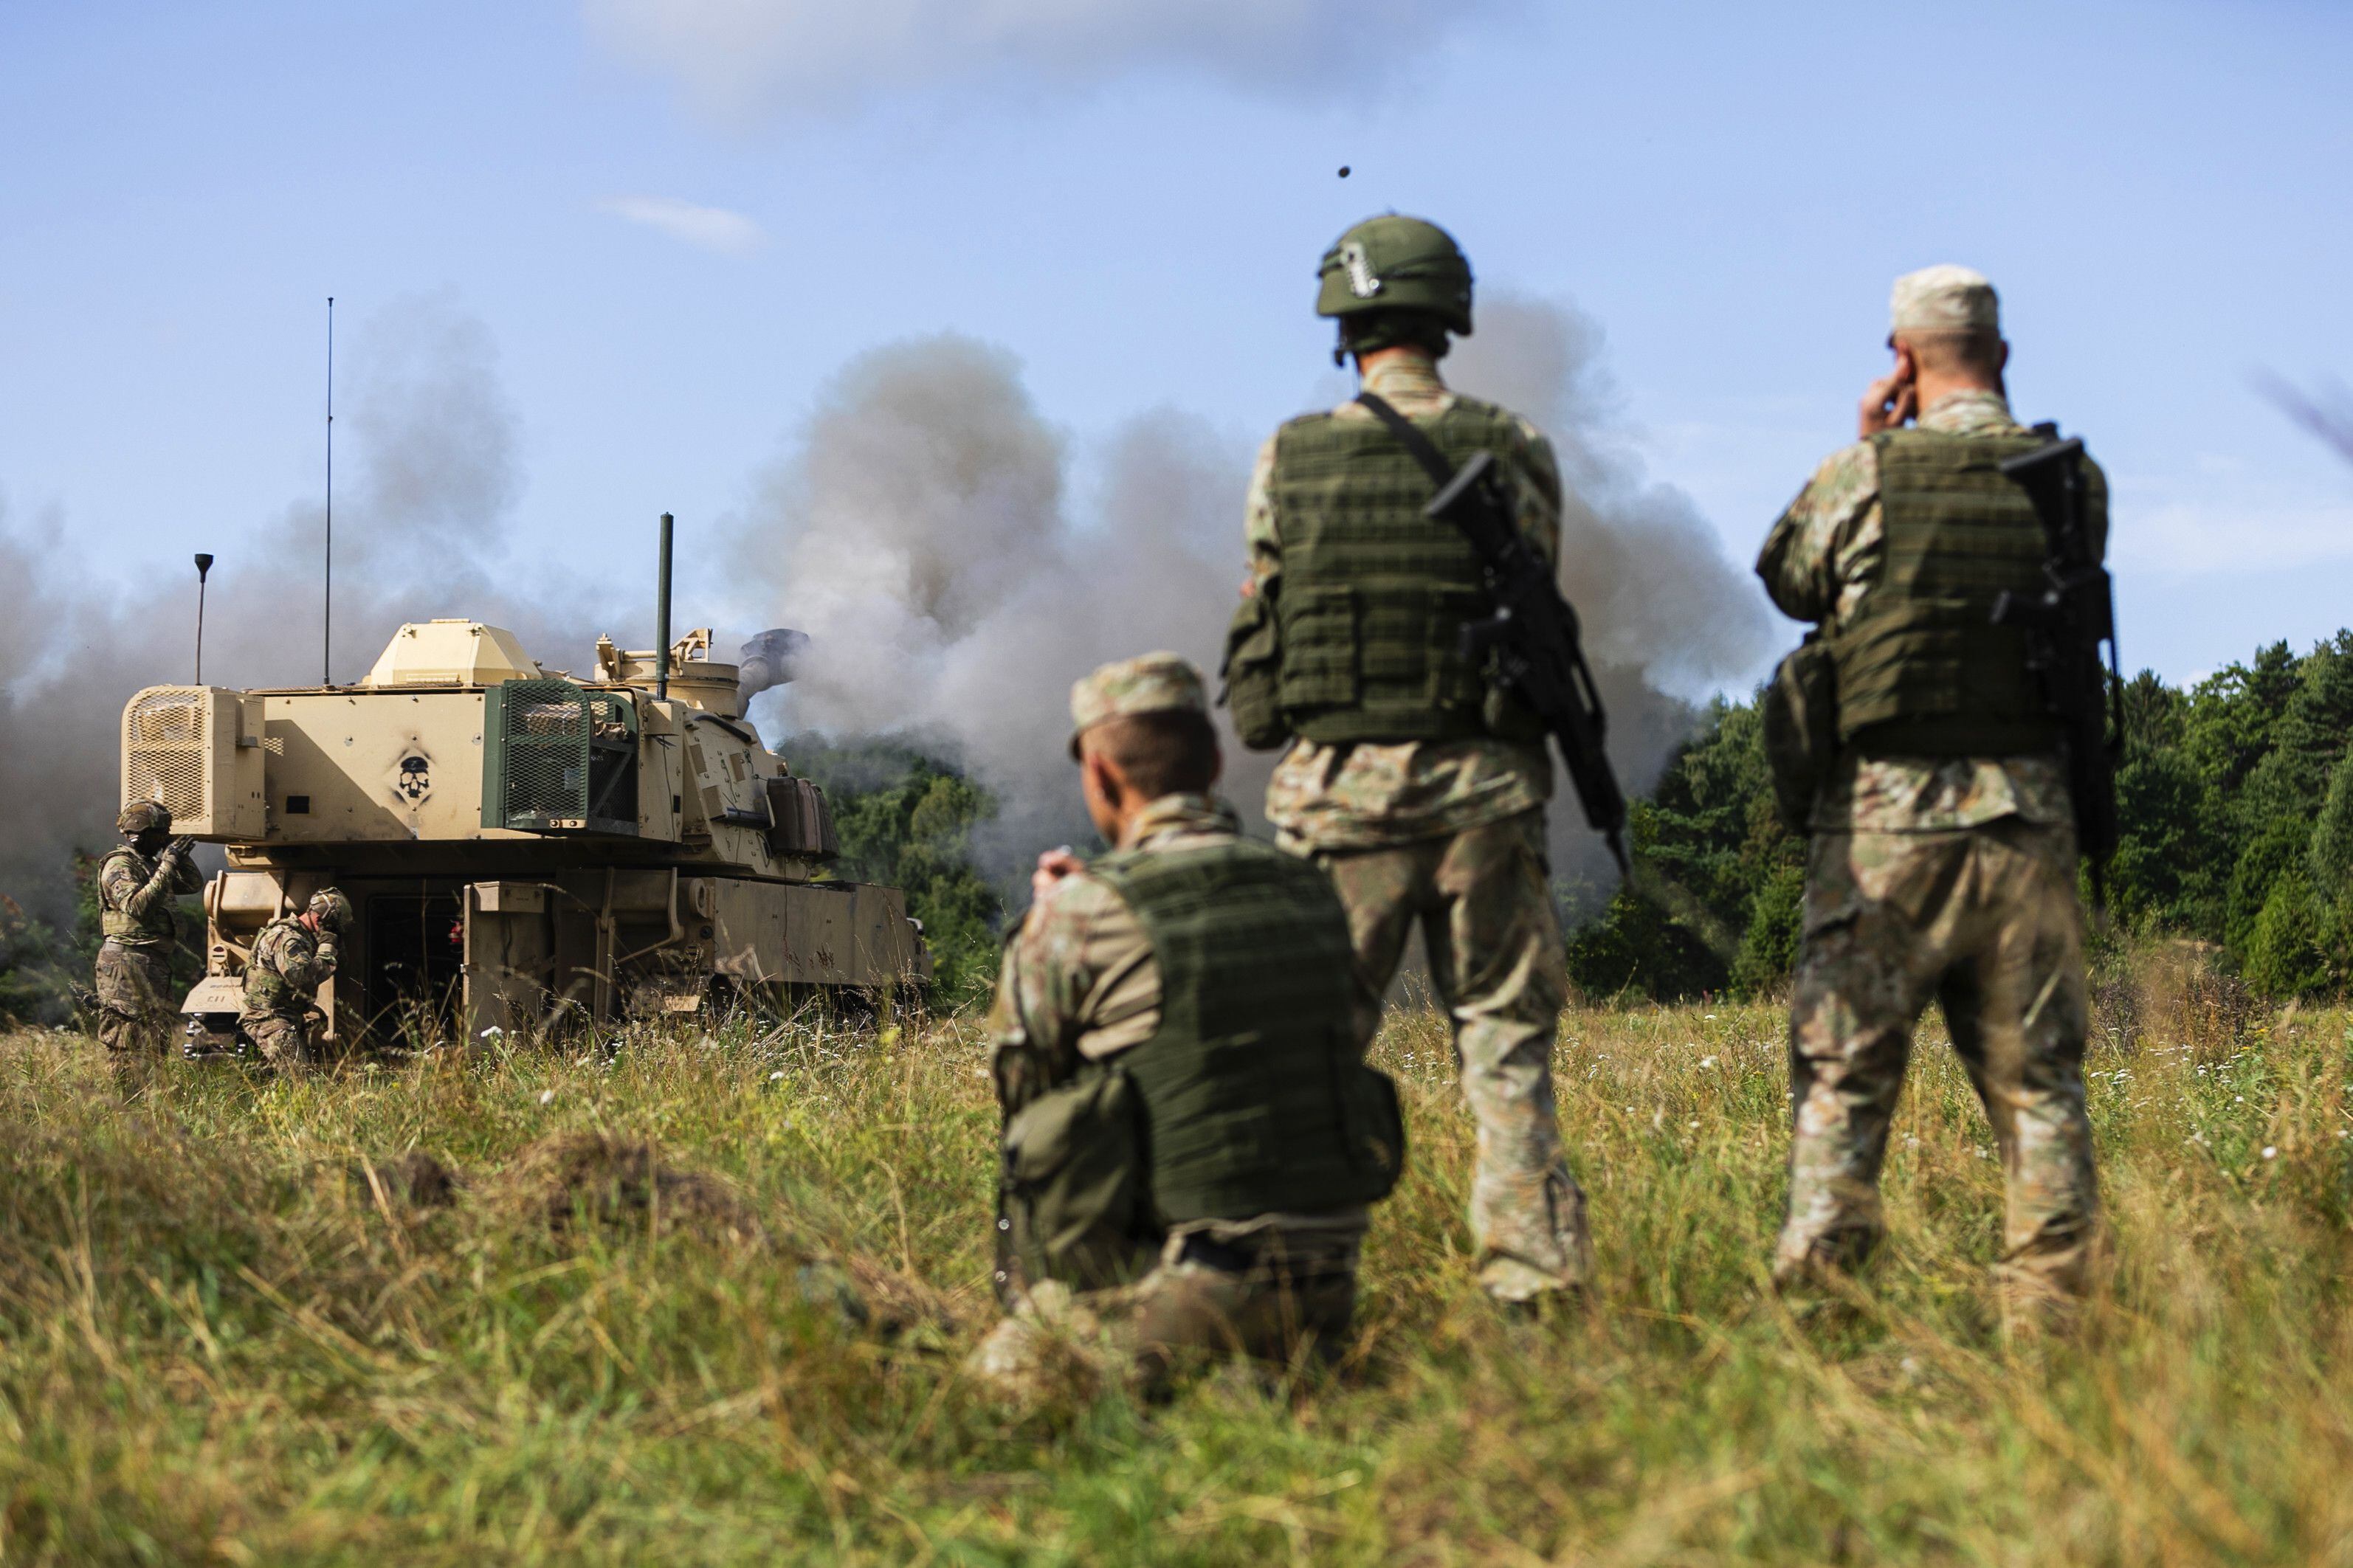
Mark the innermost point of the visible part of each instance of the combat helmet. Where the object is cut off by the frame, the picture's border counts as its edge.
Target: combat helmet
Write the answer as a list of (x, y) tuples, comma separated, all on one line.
[(1393, 263), (333, 909), (142, 817)]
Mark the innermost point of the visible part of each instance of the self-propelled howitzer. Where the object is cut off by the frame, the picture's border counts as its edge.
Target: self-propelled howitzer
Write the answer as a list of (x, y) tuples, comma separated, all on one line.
[(523, 847)]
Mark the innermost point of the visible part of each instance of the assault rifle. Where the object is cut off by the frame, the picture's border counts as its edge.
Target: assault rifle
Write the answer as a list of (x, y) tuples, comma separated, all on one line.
[(1532, 635), (2066, 625)]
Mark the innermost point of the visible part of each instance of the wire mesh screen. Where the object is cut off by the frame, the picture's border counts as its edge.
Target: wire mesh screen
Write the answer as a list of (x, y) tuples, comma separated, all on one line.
[(566, 758), (165, 735)]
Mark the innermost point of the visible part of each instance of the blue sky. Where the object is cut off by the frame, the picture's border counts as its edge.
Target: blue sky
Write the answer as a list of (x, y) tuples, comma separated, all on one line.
[(1133, 206)]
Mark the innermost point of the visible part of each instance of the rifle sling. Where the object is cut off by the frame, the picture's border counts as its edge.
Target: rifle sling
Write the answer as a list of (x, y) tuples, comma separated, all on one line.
[(1424, 451)]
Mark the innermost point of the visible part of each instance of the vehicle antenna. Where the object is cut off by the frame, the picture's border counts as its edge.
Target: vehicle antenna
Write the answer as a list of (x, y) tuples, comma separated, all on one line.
[(327, 612), (204, 564), (661, 616)]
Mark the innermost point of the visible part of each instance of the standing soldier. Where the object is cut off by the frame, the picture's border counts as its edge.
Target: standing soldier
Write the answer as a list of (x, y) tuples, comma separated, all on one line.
[(1191, 1135), (137, 883), (1411, 777), (1943, 857), (292, 957)]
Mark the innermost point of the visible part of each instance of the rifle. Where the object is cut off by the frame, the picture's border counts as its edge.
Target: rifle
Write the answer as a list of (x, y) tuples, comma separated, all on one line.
[(2065, 625), (1532, 635)]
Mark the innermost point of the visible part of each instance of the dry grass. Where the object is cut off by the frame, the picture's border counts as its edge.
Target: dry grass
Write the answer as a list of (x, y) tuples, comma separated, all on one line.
[(248, 1321)]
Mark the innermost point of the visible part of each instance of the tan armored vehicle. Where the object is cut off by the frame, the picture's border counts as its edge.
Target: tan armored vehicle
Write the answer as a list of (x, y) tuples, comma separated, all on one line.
[(522, 848)]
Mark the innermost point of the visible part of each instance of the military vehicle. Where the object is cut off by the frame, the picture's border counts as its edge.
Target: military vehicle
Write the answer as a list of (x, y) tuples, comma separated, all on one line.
[(523, 848)]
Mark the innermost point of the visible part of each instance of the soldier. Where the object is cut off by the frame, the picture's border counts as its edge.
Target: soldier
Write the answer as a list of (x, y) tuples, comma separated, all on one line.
[(137, 883), (292, 957), (1411, 777), (1943, 857), (1191, 1137)]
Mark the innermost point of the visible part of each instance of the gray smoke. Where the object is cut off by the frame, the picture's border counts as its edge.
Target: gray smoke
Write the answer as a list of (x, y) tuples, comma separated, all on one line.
[(740, 58), (431, 479), (923, 533), (923, 536)]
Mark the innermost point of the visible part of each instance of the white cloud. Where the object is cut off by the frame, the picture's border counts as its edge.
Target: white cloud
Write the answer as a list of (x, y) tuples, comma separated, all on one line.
[(742, 57), (707, 228)]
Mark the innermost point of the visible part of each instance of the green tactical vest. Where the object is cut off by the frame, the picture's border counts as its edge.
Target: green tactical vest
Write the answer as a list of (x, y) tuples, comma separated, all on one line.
[(266, 991), (1922, 668), (1256, 1097), (122, 925), (1374, 595)]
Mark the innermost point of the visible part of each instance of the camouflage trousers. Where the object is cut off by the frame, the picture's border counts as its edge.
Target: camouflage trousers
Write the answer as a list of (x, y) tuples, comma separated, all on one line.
[(1483, 901), (1262, 1290), (283, 1042), (135, 1015), (1985, 923)]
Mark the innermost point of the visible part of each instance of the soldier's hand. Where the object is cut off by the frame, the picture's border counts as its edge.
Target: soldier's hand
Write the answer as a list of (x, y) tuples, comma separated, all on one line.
[(1893, 398), (1053, 865), (182, 847)]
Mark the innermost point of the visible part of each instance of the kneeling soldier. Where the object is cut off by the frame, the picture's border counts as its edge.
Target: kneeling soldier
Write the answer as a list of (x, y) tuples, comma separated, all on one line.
[(1191, 1136), (292, 957), (137, 884)]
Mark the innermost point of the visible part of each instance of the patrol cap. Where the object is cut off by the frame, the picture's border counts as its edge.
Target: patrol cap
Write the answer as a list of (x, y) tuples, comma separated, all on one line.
[(1945, 298), (1149, 683), (142, 817)]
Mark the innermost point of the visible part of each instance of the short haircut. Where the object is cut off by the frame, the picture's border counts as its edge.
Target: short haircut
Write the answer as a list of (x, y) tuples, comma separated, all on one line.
[(1946, 353), (1174, 751)]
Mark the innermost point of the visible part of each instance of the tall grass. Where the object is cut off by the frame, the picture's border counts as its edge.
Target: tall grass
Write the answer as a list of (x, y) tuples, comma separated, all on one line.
[(226, 1331)]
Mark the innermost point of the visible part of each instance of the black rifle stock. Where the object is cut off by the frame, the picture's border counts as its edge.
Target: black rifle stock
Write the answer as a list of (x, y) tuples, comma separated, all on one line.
[(2067, 625), (1532, 637)]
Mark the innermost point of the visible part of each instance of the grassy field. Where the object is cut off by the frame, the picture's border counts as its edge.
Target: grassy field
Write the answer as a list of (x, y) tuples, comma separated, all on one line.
[(230, 1329)]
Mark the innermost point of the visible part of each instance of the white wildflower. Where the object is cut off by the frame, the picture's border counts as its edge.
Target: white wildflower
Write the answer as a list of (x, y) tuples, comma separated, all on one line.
[(547, 1097)]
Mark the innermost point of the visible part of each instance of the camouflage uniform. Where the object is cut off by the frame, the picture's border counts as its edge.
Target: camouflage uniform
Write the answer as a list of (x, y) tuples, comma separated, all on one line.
[(1079, 984), (1449, 834), (290, 963), (133, 974), (1945, 878)]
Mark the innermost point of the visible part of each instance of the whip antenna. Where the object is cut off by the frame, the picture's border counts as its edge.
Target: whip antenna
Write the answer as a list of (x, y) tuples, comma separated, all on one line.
[(204, 564), (327, 610)]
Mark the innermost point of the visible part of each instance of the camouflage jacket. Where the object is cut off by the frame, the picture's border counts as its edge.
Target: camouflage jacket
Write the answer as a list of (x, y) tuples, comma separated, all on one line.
[(1821, 557), (137, 893), (290, 963), (1366, 796)]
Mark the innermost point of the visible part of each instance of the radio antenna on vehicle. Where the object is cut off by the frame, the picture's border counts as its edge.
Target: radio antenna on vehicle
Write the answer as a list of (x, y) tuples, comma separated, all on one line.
[(327, 600), (204, 565)]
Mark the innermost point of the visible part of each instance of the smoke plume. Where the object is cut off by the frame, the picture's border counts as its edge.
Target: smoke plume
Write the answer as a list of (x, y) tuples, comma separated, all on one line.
[(923, 534), (740, 58), (431, 439)]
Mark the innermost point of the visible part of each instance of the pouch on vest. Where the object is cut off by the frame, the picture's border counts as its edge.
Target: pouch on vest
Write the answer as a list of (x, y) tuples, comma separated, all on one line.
[(1799, 718), (1075, 1202), (1252, 671)]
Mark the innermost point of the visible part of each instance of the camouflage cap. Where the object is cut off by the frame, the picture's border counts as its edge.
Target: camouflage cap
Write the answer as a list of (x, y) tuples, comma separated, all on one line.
[(1945, 298), (1148, 683), (142, 817)]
